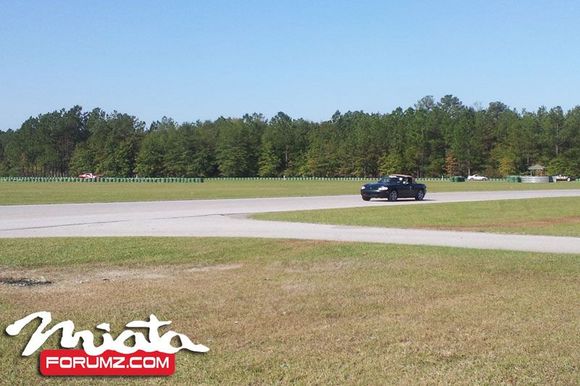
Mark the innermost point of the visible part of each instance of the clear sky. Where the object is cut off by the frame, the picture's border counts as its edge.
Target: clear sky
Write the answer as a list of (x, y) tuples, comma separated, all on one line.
[(194, 60)]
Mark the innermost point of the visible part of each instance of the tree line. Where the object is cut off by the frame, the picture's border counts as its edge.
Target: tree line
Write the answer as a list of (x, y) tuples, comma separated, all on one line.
[(432, 138)]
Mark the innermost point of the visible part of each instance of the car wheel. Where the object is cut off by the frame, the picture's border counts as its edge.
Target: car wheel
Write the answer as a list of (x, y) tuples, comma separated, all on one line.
[(365, 198), (393, 196), (420, 195)]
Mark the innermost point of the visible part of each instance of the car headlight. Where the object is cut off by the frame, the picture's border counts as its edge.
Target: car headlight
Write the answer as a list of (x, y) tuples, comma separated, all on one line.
[(363, 187), (383, 188)]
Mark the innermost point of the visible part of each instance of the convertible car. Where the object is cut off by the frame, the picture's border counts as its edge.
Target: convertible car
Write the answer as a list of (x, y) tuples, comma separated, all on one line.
[(393, 187)]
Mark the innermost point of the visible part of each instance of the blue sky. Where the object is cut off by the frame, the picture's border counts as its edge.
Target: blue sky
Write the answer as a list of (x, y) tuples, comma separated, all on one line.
[(194, 60)]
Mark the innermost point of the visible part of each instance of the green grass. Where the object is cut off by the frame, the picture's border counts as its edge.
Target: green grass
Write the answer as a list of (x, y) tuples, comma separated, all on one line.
[(125, 252), (541, 216), (12, 193), (309, 312)]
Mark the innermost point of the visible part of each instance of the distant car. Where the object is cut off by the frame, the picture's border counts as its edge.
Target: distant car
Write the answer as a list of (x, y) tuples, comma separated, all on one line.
[(477, 177), (394, 187), (88, 176), (560, 177)]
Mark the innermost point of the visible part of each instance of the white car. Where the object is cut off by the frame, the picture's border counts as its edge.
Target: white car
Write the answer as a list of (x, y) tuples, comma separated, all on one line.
[(560, 177), (88, 176), (477, 177)]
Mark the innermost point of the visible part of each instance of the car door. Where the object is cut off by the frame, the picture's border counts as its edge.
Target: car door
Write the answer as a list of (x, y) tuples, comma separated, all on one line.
[(405, 188), (412, 188)]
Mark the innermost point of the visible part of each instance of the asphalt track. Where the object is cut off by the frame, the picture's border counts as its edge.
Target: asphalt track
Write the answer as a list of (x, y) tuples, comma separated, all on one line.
[(228, 218)]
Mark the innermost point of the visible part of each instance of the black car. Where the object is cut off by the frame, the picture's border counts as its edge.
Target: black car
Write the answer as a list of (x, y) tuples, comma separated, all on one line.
[(393, 187)]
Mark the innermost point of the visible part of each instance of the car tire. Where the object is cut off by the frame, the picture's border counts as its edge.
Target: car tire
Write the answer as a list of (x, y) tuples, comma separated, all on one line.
[(393, 195), (420, 195), (365, 198)]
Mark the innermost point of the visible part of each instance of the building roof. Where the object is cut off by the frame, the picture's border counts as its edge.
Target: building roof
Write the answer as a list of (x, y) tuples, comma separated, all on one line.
[(536, 167)]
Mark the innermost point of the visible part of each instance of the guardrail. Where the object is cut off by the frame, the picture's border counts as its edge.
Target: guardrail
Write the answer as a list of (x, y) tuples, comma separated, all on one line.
[(536, 179), (218, 179), (104, 179), (290, 178)]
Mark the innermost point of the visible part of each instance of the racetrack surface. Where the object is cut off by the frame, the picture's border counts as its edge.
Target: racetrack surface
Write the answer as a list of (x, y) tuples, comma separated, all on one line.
[(226, 218)]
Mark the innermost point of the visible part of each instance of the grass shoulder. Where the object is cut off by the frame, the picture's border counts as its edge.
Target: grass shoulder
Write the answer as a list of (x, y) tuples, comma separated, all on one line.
[(541, 216), (15, 193)]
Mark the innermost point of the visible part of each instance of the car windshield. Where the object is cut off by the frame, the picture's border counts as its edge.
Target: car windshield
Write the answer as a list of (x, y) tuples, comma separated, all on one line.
[(388, 180)]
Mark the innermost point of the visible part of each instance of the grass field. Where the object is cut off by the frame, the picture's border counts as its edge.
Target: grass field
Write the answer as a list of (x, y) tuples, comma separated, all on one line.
[(309, 312), (12, 193), (540, 216)]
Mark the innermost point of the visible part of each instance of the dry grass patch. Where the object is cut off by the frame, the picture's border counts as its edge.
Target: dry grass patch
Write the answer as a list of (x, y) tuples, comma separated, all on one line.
[(329, 313)]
